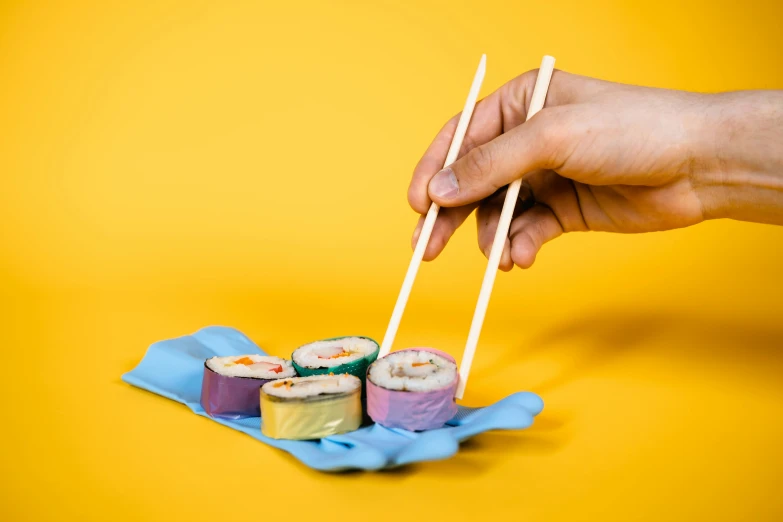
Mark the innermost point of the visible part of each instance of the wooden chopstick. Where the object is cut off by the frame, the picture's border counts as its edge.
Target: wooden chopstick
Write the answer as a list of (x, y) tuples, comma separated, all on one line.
[(432, 214), (501, 234)]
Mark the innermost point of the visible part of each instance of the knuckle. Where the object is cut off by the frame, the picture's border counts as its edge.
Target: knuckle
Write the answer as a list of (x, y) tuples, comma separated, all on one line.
[(549, 129), (477, 165), (551, 133)]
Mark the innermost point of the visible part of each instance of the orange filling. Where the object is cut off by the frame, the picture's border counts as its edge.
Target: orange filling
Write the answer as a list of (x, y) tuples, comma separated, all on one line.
[(342, 353), (247, 361), (417, 364)]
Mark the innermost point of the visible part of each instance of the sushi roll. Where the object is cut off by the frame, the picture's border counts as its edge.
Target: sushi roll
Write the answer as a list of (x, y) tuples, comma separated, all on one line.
[(412, 389), (311, 407), (230, 385), (350, 355)]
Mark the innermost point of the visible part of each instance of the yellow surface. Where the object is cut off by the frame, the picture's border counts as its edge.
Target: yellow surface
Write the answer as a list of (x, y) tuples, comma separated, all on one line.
[(170, 165), (313, 419)]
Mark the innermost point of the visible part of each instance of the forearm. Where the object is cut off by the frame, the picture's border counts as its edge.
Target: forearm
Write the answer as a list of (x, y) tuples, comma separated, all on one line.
[(738, 162)]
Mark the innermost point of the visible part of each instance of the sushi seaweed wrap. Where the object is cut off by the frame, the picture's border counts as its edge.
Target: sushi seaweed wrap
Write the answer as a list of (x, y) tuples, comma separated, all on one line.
[(412, 389), (311, 407), (350, 355), (230, 385)]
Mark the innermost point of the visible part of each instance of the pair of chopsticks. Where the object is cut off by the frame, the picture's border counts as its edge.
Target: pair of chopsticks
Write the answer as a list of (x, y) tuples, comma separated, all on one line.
[(536, 104)]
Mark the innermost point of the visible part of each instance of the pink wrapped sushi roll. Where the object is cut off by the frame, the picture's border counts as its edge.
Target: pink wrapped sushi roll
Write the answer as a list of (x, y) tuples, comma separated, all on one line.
[(412, 389)]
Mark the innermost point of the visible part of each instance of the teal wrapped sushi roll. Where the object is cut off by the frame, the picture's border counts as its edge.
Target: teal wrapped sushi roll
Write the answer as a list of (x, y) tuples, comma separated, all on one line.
[(351, 355)]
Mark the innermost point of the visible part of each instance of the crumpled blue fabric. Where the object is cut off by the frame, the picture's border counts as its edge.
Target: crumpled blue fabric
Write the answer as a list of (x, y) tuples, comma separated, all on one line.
[(174, 370)]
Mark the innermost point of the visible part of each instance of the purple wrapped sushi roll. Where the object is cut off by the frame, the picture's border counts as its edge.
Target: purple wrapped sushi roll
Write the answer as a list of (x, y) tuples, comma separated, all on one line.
[(231, 385)]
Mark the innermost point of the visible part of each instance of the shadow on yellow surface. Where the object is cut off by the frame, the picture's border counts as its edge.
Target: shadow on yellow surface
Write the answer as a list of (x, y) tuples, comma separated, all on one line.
[(681, 340)]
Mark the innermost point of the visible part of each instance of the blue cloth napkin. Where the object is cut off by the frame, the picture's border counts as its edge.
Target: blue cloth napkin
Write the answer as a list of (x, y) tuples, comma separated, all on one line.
[(174, 369)]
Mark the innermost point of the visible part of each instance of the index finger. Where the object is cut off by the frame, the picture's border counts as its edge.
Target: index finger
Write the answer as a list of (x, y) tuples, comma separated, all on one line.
[(485, 124), (499, 112)]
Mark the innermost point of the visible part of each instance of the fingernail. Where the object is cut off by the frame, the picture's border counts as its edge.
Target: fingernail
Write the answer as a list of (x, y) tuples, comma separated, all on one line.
[(444, 184), (417, 232), (506, 260)]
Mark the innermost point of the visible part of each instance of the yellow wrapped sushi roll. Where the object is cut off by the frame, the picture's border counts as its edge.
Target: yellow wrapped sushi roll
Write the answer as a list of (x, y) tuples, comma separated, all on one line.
[(311, 407)]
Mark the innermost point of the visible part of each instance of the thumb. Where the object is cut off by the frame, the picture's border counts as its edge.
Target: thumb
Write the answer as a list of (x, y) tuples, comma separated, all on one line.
[(481, 172)]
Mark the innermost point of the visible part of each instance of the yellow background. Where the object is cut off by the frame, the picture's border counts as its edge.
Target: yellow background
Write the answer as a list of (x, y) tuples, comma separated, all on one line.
[(171, 165)]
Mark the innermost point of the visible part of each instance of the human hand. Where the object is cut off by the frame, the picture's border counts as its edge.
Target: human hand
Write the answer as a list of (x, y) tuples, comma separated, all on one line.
[(600, 156)]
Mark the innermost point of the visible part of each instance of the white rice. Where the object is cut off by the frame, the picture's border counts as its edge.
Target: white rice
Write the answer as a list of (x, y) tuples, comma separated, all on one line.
[(302, 387), (396, 371), (354, 348), (227, 366)]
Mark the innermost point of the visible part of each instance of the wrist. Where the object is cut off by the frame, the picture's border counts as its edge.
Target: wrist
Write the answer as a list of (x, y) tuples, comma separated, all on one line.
[(737, 167)]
